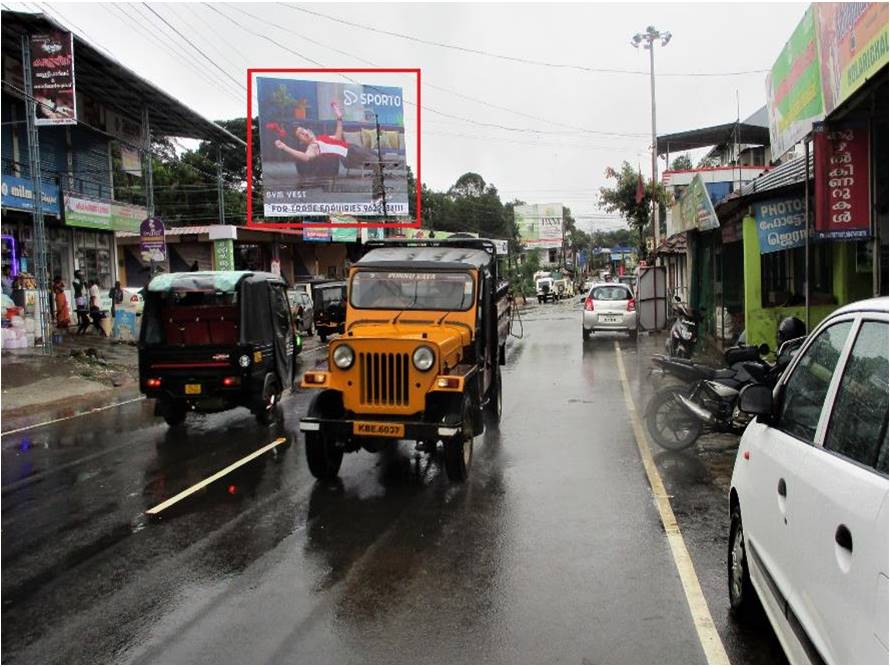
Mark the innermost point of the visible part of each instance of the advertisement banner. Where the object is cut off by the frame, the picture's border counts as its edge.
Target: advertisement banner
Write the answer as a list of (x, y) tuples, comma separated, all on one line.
[(345, 231), (781, 224), (316, 233), (331, 147), (152, 245), (842, 183), (223, 255), (793, 88), (126, 218), (52, 77), (695, 209), (80, 212), (540, 225), (852, 46), (372, 234), (18, 193)]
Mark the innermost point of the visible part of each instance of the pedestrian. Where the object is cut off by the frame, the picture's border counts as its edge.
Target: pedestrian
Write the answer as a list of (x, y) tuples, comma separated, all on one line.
[(194, 267), (63, 317), (96, 314), (116, 294), (80, 302), (7, 282)]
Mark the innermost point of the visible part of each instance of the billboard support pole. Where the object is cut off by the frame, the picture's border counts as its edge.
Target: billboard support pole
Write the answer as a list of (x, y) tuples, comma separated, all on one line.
[(148, 178), (221, 200), (44, 311), (380, 166)]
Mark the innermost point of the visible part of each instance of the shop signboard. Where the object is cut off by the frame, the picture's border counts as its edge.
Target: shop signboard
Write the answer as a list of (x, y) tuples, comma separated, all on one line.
[(341, 138), (793, 88), (89, 213), (345, 230), (321, 234), (152, 244), (781, 224), (372, 234), (130, 134), (841, 178), (223, 255), (126, 218), (52, 76), (852, 46), (18, 193), (540, 225), (695, 209)]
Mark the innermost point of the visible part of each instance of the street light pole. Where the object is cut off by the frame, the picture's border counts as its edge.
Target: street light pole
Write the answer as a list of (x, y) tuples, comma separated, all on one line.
[(648, 39)]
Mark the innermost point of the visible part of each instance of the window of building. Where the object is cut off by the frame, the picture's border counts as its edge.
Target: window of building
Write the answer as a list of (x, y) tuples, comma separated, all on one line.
[(782, 275), (553, 255), (92, 253)]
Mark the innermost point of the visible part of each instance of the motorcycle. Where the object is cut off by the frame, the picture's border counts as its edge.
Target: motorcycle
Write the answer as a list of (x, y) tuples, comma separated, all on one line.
[(683, 334), (708, 398)]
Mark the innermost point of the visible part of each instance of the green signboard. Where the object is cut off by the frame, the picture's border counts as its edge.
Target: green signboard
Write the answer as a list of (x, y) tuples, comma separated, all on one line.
[(794, 87), (695, 209), (224, 255), (80, 212)]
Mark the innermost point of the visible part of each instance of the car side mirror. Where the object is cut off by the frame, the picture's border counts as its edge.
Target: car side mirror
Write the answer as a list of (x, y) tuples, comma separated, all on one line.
[(757, 400)]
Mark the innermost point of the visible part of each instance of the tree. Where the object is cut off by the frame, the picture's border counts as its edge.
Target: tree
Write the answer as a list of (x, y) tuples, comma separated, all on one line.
[(622, 198), (681, 163)]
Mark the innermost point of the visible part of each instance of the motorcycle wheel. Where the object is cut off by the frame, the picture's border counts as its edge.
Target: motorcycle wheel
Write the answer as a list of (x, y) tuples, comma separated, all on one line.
[(668, 423)]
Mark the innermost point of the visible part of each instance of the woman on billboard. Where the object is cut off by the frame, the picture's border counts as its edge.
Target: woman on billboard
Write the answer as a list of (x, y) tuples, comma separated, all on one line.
[(317, 146)]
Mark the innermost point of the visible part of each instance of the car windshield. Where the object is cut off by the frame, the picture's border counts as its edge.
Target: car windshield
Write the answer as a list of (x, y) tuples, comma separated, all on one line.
[(409, 290), (609, 294)]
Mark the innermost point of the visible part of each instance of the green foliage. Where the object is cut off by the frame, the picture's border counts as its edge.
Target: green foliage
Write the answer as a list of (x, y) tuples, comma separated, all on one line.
[(681, 163), (622, 198)]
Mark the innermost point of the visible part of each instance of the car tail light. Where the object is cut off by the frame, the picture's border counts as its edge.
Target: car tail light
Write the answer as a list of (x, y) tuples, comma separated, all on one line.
[(231, 381), (588, 305), (153, 383), (631, 305)]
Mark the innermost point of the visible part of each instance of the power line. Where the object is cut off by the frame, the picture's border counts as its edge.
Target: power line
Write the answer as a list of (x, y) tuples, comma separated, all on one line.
[(516, 59)]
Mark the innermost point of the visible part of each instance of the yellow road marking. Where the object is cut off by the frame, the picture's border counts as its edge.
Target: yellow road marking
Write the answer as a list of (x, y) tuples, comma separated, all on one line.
[(698, 606), (225, 471)]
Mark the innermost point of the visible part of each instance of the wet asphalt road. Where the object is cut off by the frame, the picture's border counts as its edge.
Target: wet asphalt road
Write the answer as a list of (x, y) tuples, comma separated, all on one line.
[(552, 552)]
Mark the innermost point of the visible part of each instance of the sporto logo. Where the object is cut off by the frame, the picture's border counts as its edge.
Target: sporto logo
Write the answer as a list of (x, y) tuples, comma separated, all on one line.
[(371, 99), (349, 97)]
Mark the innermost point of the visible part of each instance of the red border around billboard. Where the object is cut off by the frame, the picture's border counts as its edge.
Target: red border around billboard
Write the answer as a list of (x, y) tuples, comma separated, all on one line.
[(251, 223)]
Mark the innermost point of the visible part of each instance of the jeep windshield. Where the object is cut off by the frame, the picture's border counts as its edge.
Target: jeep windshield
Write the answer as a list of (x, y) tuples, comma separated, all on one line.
[(411, 290)]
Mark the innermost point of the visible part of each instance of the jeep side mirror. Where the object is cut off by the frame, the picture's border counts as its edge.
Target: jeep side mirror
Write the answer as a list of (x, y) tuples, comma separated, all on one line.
[(757, 400), (763, 350)]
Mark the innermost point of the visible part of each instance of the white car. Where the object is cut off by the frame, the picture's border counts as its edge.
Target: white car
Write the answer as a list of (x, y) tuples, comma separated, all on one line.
[(808, 502), (609, 307)]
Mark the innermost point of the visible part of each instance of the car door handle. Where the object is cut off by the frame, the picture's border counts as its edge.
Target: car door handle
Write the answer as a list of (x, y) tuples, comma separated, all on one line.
[(843, 538), (783, 490)]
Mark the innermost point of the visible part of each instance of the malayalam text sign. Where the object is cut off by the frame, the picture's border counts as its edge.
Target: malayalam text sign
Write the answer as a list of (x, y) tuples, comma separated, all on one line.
[(841, 180), (52, 78), (781, 224), (153, 246)]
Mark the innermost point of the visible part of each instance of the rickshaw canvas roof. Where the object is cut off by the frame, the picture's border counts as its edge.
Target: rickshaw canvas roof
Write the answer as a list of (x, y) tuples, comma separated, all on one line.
[(221, 281)]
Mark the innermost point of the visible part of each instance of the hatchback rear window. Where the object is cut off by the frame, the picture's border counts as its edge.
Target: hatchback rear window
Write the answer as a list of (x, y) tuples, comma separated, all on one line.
[(610, 294)]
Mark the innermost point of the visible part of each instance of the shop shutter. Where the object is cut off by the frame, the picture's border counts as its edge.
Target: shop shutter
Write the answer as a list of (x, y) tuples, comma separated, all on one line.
[(91, 168)]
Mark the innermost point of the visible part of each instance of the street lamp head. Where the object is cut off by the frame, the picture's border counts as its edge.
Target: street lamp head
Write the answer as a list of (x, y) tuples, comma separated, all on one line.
[(635, 42), (665, 38)]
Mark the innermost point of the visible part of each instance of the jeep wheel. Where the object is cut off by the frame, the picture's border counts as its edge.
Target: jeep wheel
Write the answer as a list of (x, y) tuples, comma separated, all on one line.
[(494, 405), (459, 449), (322, 455)]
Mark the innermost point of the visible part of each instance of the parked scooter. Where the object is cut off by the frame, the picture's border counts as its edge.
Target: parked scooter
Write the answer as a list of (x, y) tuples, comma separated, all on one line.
[(707, 400), (683, 334)]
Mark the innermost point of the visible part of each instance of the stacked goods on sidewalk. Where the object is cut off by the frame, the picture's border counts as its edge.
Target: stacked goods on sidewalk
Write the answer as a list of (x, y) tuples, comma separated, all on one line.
[(18, 331)]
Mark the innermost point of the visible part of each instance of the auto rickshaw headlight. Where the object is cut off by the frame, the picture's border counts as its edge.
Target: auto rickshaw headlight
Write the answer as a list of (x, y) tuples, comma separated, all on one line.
[(343, 357), (244, 361), (423, 358)]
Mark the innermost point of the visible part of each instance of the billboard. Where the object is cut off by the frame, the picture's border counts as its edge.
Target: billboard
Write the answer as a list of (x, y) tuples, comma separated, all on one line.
[(781, 224), (331, 148), (793, 88), (540, 225), (852, 46), (52, 78), (694, 210)]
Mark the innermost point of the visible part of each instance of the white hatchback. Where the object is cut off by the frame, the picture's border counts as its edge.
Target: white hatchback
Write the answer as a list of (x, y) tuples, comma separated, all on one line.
[(609, 307), (808, 502)]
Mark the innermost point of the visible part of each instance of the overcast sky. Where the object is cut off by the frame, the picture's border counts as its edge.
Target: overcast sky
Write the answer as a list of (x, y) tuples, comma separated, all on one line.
[(574, 122)]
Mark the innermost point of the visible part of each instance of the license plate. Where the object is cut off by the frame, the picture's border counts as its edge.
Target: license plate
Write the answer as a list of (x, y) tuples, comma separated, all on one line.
[(379, 429), (610, 319), (192, 389)]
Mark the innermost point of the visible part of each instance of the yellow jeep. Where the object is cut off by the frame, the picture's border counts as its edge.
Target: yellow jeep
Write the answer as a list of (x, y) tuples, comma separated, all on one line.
[(420, 356)]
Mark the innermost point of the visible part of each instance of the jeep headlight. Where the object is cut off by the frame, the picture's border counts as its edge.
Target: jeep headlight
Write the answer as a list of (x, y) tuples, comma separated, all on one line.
[(343, 357), (423, 358)]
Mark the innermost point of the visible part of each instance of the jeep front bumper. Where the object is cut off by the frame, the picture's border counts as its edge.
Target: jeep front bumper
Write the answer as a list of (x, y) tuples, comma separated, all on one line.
[(344, 429)]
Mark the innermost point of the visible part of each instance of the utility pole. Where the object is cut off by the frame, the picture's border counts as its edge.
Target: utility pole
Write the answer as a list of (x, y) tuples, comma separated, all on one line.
[(380, 166), (648, 39), (219, 187), (44, 312)]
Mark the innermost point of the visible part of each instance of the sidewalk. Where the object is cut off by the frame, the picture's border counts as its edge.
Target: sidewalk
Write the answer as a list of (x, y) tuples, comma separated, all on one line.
[(84, 372)]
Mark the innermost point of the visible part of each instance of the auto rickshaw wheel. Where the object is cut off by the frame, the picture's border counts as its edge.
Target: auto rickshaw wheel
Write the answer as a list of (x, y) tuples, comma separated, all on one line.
[(174, 413), (322, 455), (459, 449), (267, 413)]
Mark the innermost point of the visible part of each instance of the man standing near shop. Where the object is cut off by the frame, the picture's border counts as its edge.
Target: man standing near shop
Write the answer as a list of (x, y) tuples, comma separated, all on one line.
[(80, 302)]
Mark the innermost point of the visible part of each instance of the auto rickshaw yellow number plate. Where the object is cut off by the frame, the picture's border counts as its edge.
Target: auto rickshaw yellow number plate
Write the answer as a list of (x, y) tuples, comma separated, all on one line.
[(380, 429), (192, 389)]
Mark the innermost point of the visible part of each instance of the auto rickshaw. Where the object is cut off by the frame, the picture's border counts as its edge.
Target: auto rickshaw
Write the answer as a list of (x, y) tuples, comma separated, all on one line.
[(329, 302), (215, 340), (425, 336)]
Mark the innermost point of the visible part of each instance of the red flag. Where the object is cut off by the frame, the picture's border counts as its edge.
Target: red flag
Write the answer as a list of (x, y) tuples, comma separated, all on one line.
[(641, 190)]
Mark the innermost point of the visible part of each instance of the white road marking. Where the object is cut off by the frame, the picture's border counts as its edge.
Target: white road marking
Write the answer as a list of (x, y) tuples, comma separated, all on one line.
[(79, 414), (698, 606), (222, 473)]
